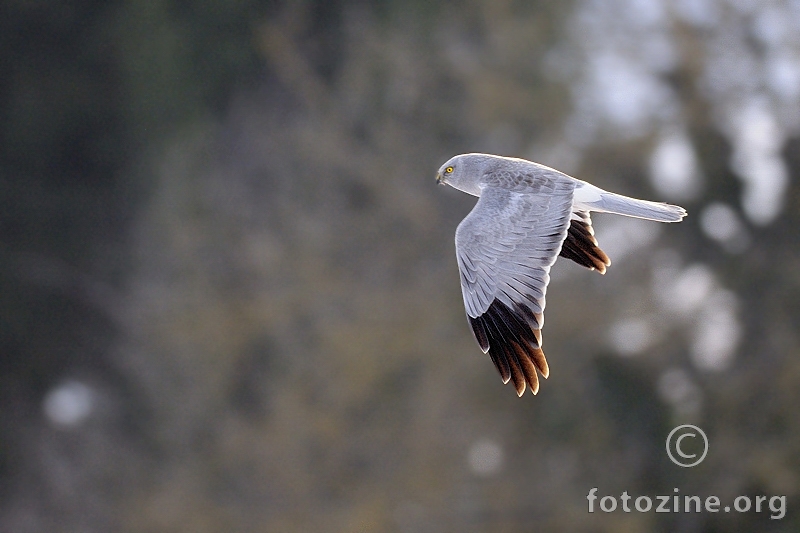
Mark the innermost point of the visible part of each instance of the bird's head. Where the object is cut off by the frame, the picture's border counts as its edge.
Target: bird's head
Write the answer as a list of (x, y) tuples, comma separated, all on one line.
[(463, 172)]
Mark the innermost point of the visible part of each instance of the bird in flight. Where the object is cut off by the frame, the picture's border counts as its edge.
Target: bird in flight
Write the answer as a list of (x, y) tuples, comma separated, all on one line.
[(526, 216)]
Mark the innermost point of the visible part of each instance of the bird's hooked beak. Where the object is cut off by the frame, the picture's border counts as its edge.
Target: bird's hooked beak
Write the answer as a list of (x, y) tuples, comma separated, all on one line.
[(439, 179)]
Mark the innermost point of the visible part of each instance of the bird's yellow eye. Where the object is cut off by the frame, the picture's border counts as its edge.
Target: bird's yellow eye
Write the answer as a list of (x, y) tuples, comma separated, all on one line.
[(448, 170)]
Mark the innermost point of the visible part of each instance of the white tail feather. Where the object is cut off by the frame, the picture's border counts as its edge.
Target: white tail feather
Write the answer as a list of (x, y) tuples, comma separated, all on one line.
[(631, 207), (590, 198)]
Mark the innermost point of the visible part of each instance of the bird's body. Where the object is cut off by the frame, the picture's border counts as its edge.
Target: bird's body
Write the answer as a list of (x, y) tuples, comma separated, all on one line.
[(526, 216)]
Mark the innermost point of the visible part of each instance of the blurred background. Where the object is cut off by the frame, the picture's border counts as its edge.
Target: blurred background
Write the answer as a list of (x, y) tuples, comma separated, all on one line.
[(229, 298)]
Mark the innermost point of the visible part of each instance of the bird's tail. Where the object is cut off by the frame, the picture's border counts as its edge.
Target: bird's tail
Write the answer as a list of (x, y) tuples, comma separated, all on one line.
[(609, 202)]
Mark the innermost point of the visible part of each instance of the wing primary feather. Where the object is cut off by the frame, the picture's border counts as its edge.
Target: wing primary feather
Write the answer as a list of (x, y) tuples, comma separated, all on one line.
[(514, 344), (525, 347), (528, 368), (511, 346), (479, 330), (518, 326), (496, 350), (534, 319), (581, 246), (532, 336), (538, 358), (517, 375), (500, 365)]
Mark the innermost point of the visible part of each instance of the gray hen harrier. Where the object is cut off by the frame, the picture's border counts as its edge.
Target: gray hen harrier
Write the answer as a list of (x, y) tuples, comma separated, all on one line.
[(527, 215)]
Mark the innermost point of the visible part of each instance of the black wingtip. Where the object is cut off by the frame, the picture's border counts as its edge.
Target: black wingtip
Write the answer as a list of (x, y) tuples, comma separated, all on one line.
[(512, 338), (479, 331), (581, 246)]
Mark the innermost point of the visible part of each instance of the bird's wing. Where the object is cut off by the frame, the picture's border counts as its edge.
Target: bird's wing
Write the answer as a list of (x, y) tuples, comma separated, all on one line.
[(505, 248), (581, 246)]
